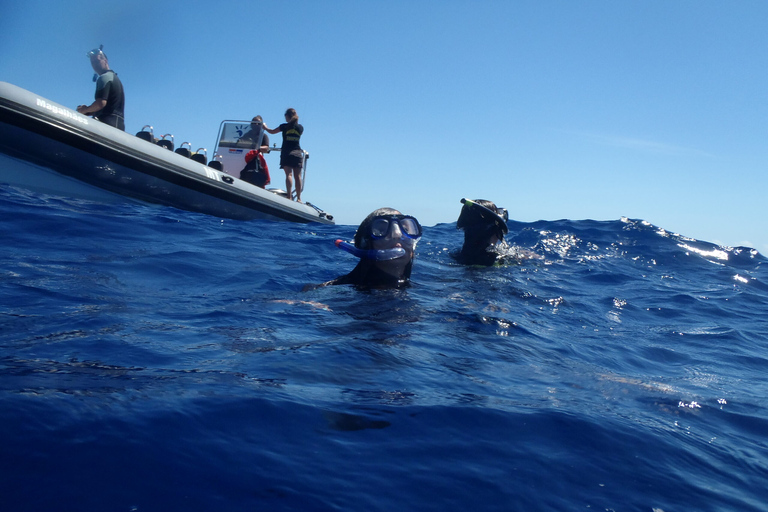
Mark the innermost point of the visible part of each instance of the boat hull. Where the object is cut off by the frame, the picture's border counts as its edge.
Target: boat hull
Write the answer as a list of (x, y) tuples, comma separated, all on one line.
[(54, 138)]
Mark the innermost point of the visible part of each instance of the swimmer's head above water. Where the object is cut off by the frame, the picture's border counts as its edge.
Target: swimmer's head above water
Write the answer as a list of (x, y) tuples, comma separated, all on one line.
[(484, 226), (385, 243)]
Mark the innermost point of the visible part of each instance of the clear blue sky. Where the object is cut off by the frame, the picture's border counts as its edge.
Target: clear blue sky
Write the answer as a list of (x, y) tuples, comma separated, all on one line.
[(553, 109)]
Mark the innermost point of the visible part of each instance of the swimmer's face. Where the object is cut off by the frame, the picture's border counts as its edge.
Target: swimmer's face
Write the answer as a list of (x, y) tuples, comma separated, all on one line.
[(395, 238), (99, 63)]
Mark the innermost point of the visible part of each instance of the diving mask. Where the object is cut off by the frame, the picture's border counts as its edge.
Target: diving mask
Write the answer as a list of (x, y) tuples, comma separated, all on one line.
[(381, 226), (95, 52)]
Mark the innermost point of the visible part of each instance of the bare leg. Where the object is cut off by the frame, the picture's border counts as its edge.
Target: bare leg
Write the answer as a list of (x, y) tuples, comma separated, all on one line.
[(297, 177), (288, 181)]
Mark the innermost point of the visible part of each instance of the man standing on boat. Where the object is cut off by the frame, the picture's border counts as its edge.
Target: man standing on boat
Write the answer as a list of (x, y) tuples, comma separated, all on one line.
[(251, 137), (109, 102)]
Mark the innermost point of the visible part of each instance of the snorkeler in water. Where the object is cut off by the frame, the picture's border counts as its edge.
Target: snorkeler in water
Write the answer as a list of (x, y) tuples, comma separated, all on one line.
[(484, 226), (385, 242)]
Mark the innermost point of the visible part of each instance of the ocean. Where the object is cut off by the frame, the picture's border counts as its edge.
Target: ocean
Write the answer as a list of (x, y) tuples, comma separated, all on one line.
[(159, 360)]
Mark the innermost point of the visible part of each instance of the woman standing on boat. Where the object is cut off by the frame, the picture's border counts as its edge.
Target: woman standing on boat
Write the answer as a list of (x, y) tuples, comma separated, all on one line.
[(291, 154)]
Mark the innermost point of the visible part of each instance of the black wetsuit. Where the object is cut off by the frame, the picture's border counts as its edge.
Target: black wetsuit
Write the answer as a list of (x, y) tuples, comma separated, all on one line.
[(367, 275), (477, 255), (477, 241), (110, 88)]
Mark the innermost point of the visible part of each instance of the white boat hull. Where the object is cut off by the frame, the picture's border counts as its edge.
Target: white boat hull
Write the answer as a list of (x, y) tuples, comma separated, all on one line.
[(70, 153)]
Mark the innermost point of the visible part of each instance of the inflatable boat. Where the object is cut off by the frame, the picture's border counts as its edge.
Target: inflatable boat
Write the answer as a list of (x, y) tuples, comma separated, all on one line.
[(51, 148)]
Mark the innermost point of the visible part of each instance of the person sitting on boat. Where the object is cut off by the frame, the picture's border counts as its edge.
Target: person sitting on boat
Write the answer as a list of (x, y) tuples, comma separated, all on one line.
[(109, 103), (385, 243), (484, 226), (251, 137), (255, 171), (291, 154)]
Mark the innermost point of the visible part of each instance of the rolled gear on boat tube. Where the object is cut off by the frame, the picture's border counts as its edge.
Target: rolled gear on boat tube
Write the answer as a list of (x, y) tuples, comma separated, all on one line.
[(255, 171)]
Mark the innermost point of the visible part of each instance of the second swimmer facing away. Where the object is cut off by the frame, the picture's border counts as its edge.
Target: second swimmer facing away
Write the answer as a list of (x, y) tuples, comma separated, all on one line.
[(484, 227), (385, 242)]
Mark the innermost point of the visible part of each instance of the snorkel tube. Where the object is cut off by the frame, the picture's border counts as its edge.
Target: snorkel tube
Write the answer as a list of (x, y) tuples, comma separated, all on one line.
[(371, 254)]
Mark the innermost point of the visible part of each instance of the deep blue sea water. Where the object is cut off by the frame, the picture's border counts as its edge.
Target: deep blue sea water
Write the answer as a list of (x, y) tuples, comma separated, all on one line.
[(159, 360)]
